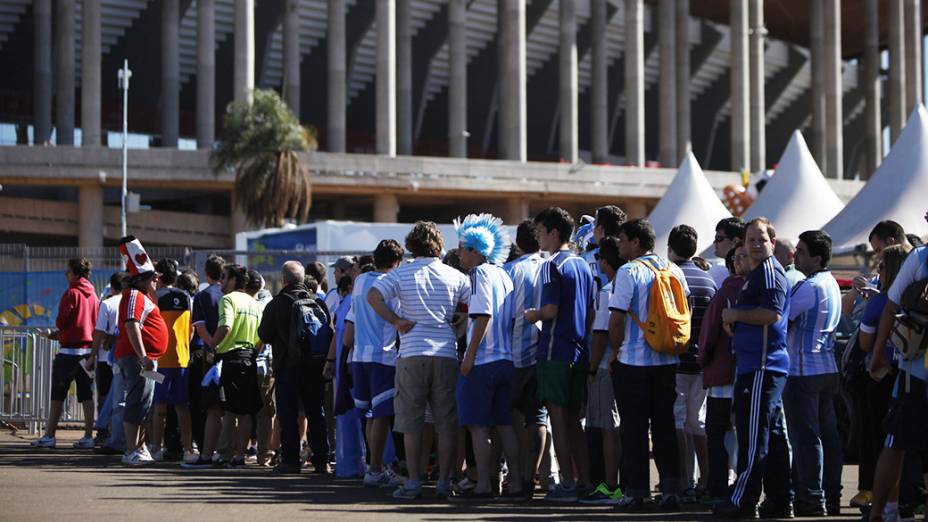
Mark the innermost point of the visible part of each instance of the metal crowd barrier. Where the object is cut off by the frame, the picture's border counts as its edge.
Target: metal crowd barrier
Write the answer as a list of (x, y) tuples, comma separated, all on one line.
[(26, 379)]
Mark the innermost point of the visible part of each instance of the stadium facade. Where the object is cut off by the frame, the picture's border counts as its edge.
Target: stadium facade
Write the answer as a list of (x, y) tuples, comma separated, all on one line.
[(430, 108)]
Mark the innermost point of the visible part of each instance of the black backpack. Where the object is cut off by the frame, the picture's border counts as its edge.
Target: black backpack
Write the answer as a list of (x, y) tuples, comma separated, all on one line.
[(310, 330)]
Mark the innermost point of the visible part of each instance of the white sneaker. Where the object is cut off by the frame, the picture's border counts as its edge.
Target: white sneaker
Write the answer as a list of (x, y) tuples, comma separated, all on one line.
[(85, 443), (191, 456), (44, 442), (144, 451), (137, 458), (158, 455)]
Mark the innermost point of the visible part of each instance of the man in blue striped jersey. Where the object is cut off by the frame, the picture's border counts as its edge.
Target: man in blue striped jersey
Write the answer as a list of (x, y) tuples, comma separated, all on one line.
[(372, 341), (529, 416), (484, 387), (808, 399), (644, 379), (758, 323), (567, 292), (429, 293)]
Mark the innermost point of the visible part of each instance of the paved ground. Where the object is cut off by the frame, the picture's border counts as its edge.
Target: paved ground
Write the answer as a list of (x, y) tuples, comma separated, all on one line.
[(73, 484)]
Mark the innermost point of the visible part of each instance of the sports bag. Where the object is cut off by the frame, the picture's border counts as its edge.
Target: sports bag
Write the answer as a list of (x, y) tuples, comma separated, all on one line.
[(667, 328)]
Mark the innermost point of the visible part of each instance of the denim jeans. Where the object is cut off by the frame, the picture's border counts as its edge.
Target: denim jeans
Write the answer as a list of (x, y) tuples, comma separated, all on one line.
[(813, 435), (116, 402), (763, 451)]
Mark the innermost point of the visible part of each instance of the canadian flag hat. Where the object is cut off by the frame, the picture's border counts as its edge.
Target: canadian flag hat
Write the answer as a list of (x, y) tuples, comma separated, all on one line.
[(135, 257)]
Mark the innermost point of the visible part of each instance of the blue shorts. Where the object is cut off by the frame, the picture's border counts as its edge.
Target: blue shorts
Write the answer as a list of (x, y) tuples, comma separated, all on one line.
[(484, 397), (373, 388), (175, 388)]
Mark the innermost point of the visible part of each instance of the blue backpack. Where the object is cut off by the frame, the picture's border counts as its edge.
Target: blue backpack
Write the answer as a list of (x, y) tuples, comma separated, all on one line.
[(310, 330)]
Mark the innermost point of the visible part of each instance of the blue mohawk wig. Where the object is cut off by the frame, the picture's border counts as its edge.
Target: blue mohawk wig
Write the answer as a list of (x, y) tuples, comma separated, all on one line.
[(486, 234)]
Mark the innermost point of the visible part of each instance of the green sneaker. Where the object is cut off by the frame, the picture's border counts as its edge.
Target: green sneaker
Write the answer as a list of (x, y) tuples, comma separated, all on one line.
[(603, 496)]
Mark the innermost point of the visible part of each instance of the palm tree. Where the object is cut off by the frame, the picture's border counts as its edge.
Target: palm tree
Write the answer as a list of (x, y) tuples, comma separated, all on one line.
[(261, 139)]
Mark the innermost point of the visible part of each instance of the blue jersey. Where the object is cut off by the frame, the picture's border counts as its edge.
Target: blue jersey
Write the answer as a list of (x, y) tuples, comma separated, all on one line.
[(631, 293), (814, 312), (374, 337), (491, 296), (526, 291), (913, 269), (566, 281), (702, 290), (766, 287)]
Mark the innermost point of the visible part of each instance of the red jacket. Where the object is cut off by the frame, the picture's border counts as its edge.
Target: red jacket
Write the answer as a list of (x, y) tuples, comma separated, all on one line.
[(77, 314), (715, 354)]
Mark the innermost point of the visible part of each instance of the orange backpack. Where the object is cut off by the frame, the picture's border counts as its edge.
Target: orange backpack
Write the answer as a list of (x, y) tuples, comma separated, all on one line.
[(668, 323)]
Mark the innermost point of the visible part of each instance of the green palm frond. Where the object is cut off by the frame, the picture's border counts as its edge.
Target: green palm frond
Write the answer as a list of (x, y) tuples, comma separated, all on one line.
[(260, 143)]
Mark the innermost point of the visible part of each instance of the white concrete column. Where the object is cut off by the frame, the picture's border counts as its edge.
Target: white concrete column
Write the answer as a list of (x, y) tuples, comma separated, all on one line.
[(292, 56), (457, 81), (90, 74), (599, 89), (64, 72), (516, 211), (568, 87), (667, 86), (206, 73), (237, 220), (170, 72), (913, 54), (634, 82), (386, 207), (404, 77), (740, 81), (42, 72), (684, 111), (386, 77), (90, 216), (834, 107), (337, 76), (872, 88), (897, 70), (513, 109), (244, 74), (758, 101), (817, 66), (635, 209)]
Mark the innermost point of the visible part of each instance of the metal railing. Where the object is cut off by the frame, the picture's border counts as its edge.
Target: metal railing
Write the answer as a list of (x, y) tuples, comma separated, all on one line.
[(26, 379)]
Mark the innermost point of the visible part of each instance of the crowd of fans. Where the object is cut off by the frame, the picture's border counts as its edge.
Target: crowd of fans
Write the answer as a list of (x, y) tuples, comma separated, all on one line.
[(561, 361)]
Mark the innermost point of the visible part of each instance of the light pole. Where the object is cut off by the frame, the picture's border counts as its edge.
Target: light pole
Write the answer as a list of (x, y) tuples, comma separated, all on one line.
[(124, 75)]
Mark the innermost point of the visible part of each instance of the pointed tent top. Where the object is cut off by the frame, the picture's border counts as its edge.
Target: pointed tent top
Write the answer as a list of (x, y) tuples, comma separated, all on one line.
[(797, 198), (689, 200), (896, 190)]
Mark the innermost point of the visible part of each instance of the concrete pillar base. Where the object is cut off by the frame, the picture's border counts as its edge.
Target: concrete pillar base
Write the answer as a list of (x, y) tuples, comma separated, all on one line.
[(635, 209), (516, 210), (90, 216), (386, 208), (237, 220)]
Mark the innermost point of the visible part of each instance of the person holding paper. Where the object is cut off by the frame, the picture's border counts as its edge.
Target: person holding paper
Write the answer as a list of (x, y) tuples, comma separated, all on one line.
[(143, 339)]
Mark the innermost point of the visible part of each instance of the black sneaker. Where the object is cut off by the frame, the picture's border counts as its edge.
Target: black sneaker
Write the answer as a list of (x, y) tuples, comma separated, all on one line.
[(669, 502), (236, 463), (729, 511), (287, 469), (769, 509), (630, 504)]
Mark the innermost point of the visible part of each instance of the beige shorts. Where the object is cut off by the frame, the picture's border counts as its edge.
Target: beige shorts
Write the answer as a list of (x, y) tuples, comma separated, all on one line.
[(689, 410), (601, 411), (425, 381)]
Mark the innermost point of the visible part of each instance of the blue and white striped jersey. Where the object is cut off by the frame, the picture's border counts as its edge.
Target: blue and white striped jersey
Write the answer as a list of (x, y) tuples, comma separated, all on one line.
[(814, 312), (491, 295), (374, 337), (630, 294), (429, 292), (526, 294)]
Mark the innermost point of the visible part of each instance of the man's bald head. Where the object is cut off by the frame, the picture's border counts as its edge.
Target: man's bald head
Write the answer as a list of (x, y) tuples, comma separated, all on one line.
[(292, 272), (784, 251)]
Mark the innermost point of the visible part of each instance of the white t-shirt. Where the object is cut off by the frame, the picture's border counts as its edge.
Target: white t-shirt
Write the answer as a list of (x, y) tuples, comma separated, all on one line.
[(491, 296), (601, 321), (108, 321)]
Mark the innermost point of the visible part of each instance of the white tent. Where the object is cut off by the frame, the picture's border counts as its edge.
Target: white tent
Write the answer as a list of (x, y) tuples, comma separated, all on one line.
[(797, 198), (689, 200), (896, 190)]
